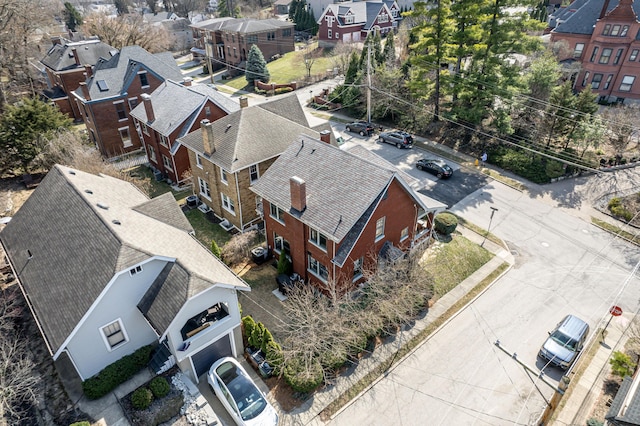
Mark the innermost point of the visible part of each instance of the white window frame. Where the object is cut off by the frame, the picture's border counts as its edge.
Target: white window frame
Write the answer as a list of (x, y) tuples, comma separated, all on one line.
[(329, 34), (166, 162), (624, 31), (380, 228), (205, 191), (383, 18), (254, 171), (577, 51), (130, 100), (207, 111), (316, 237), (276, 212), (278, 243), (585, 79), (223, 176), (122, 330), (164, 141), (316, 268), (140, 73), (404, 234), (596, 81), (227, 203), (152, 154), (145, 129), (357, 268), (329, 21), (634, 55), (605, 56), (125, 142), (615, 30), (118, 111), (348, 19), (198, 160), (627, 80), (607, 82)]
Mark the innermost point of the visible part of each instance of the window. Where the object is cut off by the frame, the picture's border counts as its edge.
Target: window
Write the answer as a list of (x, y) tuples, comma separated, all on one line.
[(286, 32), (253, 173), (227, 203), (624, 31), (578, 50), (329, 34), (618, 56), (198, 160), (615, 30), (223, 176), (595, 82), (337, 36), (166, 162), (382, 18), (608, 82), (145, 129), (133, 102), (144, 81), (253, 39), (125, 136), (277, 213), (279, 244), (318, 238), (404, 234), (634, 55), (164, 141), (606, 54), (348, 19), (357, 268), (380, 228), (152, 154), (135, 270), (207, 111), (594, 54), (235, 52), (606, 30), (122, 114), (329, 20), (317, 268), (233, 38), (585, 79), (627, 82), (204, 188), (114, 334)]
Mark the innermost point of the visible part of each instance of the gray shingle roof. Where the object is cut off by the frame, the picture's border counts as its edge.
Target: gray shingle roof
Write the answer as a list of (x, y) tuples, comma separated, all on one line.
[(211, 24), (625, 408), (340, 186), (243, 25), (581, 15), (119, 71), (175, 105), (60, 56), (364, 12), (251, 135), (77, 247)]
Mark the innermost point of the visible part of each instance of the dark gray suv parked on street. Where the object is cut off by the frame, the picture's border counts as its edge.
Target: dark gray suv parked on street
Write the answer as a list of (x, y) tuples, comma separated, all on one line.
[(399, 139)]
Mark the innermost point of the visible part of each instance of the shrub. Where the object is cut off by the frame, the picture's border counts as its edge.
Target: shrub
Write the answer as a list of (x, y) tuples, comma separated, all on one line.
[(249, 325), (215, 249), (594, 422), (267, 337), (617, 209), (141, 398), (274, 356), (283, 90), (621, 364), (255, 340), (259, 91), (445, 223), (334, 358), (85, 423), (238, 248), (303, 377), (284, 266), (159, 386), (118, 372)]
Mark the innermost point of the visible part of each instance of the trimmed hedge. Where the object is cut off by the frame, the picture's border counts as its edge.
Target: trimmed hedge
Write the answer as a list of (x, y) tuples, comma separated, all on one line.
[(141, 398), (118, 372), (531, 166), (445, 223), (85, 423), (159, 386)]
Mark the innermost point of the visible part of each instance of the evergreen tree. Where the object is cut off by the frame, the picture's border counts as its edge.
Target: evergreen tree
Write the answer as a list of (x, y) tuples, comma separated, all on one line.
[(72, 17), (122, 8), (223, 9), (586, 106), (215, 249), (389, 52), (256, 66), (558, 118), (23, 128), (376, 53)]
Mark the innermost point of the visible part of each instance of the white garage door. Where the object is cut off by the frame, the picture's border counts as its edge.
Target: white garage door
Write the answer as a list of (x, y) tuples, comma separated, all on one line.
[(203, 359)]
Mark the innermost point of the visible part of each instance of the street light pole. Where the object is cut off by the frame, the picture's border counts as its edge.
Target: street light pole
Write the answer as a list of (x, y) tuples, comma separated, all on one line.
[(493, 211)]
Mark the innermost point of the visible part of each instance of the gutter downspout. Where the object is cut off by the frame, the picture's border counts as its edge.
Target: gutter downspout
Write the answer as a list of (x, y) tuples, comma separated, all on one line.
[(239, 202)]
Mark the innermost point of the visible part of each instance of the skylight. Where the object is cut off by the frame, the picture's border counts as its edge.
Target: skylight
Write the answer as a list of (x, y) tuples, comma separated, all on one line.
[(102, 85)]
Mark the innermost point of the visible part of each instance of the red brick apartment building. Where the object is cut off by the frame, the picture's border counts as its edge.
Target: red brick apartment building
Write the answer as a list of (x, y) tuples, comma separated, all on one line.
[(335, 213), (604, 35), (113, 89)]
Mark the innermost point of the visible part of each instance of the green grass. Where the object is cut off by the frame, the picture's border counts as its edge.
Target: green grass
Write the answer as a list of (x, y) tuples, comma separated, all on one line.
[(452, 262), (205, 230), (290, 67), (156, 188), (632, 238), (478, 230)]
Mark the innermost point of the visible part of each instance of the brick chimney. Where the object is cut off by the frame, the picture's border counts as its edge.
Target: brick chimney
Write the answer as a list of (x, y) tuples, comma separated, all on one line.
[(325, 136), (85, 90), (56, 40), (207, 137), (88, 70), (298, 193), (146, 99), (187, 81), (75, 56), (244, 102)]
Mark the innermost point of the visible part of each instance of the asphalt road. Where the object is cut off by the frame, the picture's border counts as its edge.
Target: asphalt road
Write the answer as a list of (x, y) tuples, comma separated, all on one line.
[(563, 265)]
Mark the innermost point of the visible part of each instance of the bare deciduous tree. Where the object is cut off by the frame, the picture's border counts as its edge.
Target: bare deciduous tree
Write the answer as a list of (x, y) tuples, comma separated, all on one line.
[(340, 56), (622, 122), (127, 30), (237, 249)]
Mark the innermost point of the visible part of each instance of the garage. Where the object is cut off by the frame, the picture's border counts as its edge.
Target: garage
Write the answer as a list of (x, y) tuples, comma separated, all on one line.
[(203, 359)]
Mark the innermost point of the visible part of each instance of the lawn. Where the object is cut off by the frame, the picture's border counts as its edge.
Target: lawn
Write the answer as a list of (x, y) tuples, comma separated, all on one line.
[(206, 231), (155, 188), (289, 68), (452, 262)]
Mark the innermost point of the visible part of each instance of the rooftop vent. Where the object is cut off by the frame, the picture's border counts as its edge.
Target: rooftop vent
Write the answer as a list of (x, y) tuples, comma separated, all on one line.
[(103, 206), (88, 191), (116, 222), (72, 172)]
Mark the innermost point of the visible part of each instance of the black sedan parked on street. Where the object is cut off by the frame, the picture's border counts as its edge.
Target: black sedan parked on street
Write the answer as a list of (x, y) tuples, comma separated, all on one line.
[(436, 167)]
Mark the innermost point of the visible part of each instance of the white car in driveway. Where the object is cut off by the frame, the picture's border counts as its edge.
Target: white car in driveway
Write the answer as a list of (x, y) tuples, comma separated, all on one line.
[(240, 396)]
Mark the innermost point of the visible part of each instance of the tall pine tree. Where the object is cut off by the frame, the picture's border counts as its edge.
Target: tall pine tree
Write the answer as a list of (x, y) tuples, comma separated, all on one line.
[(256, 66)]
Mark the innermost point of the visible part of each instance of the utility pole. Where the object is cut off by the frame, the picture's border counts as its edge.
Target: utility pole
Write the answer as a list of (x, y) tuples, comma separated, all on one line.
[(369, 82)]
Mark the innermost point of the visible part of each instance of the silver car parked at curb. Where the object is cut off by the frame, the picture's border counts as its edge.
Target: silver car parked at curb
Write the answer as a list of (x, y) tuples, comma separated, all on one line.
[(565, 342)]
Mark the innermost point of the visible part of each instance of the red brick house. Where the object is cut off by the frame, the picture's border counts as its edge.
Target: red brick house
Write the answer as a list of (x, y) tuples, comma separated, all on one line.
[(228, 155), (226, 41), (173, 110), (68, 63), (334, 212), (108, 96), (352, 21), (604, 35)]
